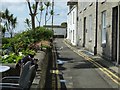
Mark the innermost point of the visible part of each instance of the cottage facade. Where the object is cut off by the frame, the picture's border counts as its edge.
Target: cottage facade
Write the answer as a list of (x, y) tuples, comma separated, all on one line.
[(98, 28), (72, 22)]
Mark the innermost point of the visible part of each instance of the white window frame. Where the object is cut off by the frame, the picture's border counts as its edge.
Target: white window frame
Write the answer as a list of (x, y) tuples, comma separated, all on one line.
[(90, 27), (73, 16), (103, 19), (73, 36)]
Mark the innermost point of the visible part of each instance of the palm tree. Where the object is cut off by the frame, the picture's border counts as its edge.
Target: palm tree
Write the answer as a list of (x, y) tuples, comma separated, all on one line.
[(47, 4), (41, 10), (51, 14), (6, 13), (10, 23), (2, 15), (27, 21), (13, 24), (3, 30), (7, 17)]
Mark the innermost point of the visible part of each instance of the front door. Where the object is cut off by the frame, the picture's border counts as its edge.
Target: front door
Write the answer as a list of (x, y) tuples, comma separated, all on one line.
[(114, 32)]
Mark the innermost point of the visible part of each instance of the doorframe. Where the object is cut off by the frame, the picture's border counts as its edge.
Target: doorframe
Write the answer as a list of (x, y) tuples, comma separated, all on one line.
[(115, 44)]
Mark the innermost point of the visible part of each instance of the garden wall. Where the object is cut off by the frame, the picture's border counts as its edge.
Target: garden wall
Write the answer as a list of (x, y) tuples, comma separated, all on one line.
[(43, 59)]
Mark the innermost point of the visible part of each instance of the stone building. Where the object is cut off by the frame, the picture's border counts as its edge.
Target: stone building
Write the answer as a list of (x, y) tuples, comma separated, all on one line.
[(109, 30), (98, 28)]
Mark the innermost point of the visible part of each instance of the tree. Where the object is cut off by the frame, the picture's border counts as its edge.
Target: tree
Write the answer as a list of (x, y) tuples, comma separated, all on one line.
[(47, 4), (51, 13), (64, 24), (10, 21), (7, 17), (13, 24), (27, 21), (3, 29), (33, 12), (41, 10)]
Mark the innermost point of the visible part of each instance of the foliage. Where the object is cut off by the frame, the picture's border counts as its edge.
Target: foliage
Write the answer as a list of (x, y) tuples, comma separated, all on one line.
[(28, 51), (3, 29), (64, 24), (28, 22), (11, 58), (21, 43), (5, 40), (47, 4), (10, 22), (45, 46), (41, 8)]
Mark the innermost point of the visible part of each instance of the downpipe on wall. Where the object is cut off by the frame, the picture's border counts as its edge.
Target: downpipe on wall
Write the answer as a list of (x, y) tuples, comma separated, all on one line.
[(118, 40), (95, 47)]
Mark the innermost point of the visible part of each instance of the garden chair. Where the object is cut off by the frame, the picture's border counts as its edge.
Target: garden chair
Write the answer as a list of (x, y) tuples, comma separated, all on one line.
[(15, 79), (24, 83)]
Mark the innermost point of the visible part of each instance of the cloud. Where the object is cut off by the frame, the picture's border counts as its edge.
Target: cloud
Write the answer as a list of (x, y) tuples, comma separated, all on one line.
[(13, 1), (21, 11)]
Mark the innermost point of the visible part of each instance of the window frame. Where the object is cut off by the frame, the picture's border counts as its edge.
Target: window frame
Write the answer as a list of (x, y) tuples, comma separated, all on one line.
[(103, 28)]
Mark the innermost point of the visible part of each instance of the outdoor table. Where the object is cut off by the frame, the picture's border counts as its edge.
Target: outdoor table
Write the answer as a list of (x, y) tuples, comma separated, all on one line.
[(4, 68)]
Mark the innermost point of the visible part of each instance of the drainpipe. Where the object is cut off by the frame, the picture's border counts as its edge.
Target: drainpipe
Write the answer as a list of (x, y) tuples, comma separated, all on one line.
[(118, 40), (77, 20), (96, 29)]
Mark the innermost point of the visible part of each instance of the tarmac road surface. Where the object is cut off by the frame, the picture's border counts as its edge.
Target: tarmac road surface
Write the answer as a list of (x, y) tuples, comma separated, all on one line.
[(76, 72)]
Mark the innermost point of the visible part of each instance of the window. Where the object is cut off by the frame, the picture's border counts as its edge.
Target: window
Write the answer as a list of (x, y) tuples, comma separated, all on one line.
[(73, 36), (73, 17), (90, 27), (104, 27)]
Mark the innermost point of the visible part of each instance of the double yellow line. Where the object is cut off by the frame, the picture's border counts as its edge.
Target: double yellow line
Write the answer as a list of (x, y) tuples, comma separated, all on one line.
[(110, 74)]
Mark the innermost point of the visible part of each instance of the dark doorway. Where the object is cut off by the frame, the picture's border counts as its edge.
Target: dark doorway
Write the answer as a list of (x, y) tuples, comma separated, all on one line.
[(84, 32), (114, 32)]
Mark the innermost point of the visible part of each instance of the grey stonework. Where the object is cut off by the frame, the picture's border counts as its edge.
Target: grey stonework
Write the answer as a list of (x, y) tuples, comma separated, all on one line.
[(85, 9)]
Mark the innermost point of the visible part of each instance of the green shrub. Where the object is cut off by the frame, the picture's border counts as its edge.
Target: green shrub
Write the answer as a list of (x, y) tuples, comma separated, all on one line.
[(11, 58), (21, 42), (5, 40)]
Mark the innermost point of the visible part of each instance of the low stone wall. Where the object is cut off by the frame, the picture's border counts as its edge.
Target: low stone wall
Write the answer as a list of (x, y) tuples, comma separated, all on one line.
[(43, 59), (40, 78)]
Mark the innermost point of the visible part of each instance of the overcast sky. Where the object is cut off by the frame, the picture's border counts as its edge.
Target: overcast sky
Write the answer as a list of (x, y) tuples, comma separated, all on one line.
[(20, 10)]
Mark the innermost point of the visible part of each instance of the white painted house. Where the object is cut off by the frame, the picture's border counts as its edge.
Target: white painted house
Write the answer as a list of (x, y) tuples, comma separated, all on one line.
[(72, 23)]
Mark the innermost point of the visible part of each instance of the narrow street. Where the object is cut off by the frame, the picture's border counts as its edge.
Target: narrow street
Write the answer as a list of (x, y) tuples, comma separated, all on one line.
[(76, 72)]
